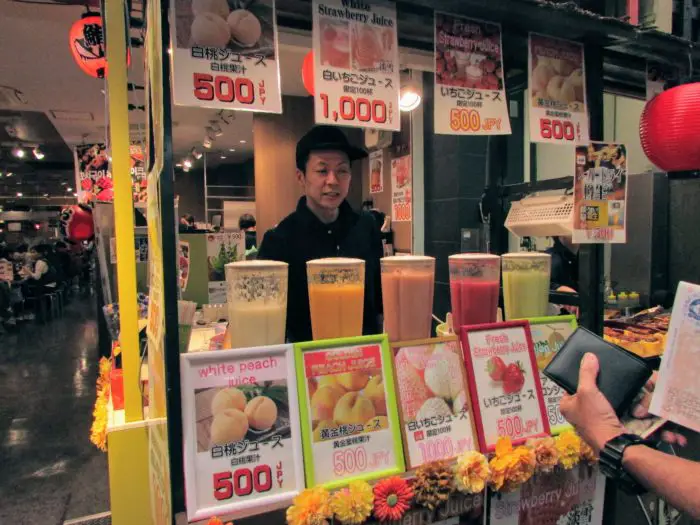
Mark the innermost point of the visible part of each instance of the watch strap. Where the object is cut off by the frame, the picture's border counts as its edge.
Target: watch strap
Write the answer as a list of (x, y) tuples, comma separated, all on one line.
[(611, 461)]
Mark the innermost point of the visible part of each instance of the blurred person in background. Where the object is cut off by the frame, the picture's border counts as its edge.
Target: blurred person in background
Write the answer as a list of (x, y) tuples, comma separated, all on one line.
[(64, 260), (6, 278), (247, 223), (42, 278)]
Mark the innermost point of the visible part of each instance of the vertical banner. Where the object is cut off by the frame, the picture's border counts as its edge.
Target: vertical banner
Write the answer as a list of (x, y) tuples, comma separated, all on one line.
[(222, 248), (356, 64), (226, 58), (557, 81), (470, 95), (376, 171), (139, 180), (401, 193), (93, 178), (600, 193)]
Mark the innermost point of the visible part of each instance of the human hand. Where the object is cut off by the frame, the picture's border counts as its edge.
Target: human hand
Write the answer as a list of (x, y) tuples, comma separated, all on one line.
[(589, 410), (641, 411)]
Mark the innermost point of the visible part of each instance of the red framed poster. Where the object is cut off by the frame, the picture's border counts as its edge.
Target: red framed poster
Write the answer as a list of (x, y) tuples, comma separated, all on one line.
[(504, 383)]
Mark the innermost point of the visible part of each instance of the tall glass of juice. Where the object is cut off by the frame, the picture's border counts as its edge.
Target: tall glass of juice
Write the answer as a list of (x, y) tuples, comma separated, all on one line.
[(474, 286), (257, 302), (336, 296), (408, 283), (526, 284)]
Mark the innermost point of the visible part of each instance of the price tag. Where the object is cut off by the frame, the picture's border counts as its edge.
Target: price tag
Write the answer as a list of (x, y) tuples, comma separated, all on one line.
[(504, 383), (356, 64), (350, 424), (241, 430), (401, 189), (470, 96), (226, 59), (557, 97)]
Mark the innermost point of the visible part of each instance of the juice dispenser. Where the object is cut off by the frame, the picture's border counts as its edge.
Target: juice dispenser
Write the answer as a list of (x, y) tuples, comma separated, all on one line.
[(474, 287), (526, 284)]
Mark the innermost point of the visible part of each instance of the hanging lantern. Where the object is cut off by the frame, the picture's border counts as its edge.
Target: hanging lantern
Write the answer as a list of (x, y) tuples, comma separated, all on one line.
[(670, 126), (86, 40), (307, 72), (76, 223)]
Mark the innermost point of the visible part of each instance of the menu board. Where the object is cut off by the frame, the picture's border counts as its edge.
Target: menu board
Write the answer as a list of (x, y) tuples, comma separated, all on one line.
[(356, 64), (504, 383), (222, 248), (401, 189), (600, 193), (242, 442), (349, 420), (434, 406), (557, 81), (224, 57), (470, 94), (548, 335)]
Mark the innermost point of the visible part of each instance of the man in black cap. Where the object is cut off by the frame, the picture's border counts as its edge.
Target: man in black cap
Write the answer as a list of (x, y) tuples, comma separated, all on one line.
[(324, 225)]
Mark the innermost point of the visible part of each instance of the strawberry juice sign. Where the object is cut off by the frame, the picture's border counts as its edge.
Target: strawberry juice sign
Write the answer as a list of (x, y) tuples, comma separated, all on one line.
[(504, 382)]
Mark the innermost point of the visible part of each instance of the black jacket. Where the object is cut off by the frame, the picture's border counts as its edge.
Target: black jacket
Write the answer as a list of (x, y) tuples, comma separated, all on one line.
[(301, 237), (564, 266)]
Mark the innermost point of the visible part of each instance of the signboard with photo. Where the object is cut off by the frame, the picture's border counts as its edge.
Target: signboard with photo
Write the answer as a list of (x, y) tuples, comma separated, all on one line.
[(225, 54), (434, 405), (376, 171), (349, 417), (222, 248), (470, 95), (504, 383), (93, 178), (401, 189), (600, 193), (241, 431), (139, 181), (356, 64), (557, 100)]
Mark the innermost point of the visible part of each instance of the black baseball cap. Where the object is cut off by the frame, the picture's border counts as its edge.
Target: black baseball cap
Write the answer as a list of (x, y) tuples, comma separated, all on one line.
[(326, 138)]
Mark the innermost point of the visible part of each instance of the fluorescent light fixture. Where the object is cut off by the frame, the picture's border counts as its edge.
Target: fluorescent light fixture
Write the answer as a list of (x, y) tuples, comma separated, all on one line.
[(223, 157), (410, 96), (232, 149), (242, 141), (38, 154), (46, 195), (69, 189)]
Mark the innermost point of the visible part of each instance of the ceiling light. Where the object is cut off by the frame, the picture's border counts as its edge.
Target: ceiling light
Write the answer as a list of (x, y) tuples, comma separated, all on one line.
[(63, 183), (75, 195), (9, 174), (410, 96), (69, 189), (207, 143), (187, 163), (46, 195), (178, 164), (185, 169), (223, 157), (19, 193), (196, 154), (109, 158), (243, 142), (232, 149), (18, 152), (215, 128), (38, 154)]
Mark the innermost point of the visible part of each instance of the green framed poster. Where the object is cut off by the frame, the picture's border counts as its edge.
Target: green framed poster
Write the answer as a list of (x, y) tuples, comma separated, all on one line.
[(349, 418), (548, 335)]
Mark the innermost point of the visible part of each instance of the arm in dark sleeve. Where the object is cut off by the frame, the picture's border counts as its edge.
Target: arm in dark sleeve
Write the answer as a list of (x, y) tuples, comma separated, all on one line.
[(272, 247)]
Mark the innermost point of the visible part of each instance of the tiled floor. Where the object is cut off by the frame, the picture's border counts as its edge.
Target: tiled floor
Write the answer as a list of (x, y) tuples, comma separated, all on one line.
[(49, 470)]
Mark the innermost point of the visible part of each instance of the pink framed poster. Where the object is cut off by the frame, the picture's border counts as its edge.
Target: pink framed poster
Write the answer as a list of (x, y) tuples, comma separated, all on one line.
[(504, 383)]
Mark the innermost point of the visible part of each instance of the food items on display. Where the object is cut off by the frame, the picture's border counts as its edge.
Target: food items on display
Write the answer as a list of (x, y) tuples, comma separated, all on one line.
[(215, 25), (261, 412), (496, 368), (323, 402), (210, 30), (557, 79), (228, 398), (443, 374), (353, 408), (644, 334), (245, 27), (229, 425), (513, 378)]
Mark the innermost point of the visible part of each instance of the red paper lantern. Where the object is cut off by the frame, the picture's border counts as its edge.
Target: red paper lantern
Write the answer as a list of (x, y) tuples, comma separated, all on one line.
[(307, 72), (86, 41), (76, 223), (670, 128)]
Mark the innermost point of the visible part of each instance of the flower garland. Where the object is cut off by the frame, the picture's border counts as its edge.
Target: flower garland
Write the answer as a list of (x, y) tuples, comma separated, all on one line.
[(392, 498), (98, 430), (310, 507), (569, 447), (511, 467), (353, 505), (216, 521), (472, 472), (434, 484)]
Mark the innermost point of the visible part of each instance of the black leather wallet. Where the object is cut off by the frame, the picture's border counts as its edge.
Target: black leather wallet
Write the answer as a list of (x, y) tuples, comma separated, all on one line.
[(622, 374)]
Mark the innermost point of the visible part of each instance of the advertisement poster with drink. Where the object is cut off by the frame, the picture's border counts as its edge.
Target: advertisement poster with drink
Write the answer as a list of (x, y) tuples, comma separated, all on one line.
[(569, 497), (349, 419), (241, 430), (376, 171), (225, 55), (470, 95), (557, 83), (548, 335), (356, 64), (93, 178), (504, 383), (401, 189), (222, 248), (600, 193), (434, 404), (139, 181)]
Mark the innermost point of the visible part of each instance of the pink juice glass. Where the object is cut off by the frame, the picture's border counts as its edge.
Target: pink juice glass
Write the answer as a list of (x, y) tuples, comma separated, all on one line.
[(474, 285)]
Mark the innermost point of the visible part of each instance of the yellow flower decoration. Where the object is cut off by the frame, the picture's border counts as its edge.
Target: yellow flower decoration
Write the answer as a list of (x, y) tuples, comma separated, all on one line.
[(546, 453), (521, 468), (503, 446), (353, 505), (588, 454), (471, 472), (569, 447), (217, 521), (310, 507), (498, 467), (98, 430)]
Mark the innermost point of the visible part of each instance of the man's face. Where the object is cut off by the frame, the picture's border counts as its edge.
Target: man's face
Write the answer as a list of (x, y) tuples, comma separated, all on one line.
[(327, 178)]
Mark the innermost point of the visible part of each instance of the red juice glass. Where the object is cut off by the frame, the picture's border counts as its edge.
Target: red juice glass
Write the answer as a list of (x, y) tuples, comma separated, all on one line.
[(474, 286)]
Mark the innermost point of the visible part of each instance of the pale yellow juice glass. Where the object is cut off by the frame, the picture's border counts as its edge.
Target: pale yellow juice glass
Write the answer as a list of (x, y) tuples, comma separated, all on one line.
[(526, 284)]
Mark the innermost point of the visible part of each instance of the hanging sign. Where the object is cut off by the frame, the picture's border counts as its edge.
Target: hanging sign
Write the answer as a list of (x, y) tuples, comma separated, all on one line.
[(376, 171), (93, 178), (470, 95), (557, 81), (349, 419), (222, 248), (434, 405), (242, 443), (600, 193), (356, 64), (139, 181), (504, 383), (401, 189), (224, 58)]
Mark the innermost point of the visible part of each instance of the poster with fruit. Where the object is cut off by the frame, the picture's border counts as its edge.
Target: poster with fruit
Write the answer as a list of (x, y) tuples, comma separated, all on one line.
[(557, 98), (225, 55), (434, 406), (242, 440), (137, 163), (222, 248), (349, 416), (470, 94), (93, 177), (376, 171), (401, 189), (600, 193), (356, 64), (548, 335), (504, 383)]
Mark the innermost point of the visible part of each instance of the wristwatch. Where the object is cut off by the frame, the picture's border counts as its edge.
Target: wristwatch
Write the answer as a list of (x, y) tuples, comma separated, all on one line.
[(611, 461)]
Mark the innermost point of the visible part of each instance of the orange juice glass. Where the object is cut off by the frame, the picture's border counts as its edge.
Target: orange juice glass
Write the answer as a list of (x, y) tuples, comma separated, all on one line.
[(336, 296)]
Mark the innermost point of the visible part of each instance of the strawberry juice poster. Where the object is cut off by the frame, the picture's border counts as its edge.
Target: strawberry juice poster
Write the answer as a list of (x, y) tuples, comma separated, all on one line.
[(504, 383), (401, 189)]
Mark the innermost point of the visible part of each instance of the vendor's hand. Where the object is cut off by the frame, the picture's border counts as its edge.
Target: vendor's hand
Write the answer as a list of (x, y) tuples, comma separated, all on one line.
[(589, 410), (641, 411)]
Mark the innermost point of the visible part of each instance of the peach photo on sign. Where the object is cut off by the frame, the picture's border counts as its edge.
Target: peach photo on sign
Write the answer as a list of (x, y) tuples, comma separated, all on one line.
[(335, 43)]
